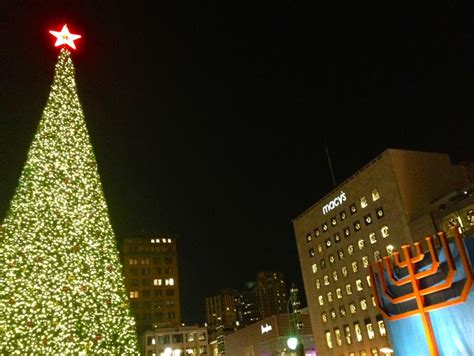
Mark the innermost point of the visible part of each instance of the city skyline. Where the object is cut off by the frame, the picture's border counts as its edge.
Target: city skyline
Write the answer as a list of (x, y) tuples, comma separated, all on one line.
[(212, 124)]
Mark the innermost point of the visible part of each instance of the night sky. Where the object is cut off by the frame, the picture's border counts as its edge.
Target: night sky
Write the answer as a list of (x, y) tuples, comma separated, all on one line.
[(209, 119)]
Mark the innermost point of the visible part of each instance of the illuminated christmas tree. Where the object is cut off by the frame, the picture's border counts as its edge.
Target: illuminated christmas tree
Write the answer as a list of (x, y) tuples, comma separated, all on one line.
[(61, 281)]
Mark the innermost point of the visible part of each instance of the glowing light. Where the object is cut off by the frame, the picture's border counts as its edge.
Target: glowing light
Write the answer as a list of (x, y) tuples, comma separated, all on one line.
[(61, 282), (292, 342), (65, 37)]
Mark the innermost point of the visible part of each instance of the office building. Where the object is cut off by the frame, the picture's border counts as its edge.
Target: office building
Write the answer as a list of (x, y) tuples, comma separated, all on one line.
[(176, 341), (152, 281), (387, 203)]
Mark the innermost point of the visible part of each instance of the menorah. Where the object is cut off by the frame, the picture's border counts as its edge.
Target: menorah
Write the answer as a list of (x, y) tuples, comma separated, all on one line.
[(425, 275)]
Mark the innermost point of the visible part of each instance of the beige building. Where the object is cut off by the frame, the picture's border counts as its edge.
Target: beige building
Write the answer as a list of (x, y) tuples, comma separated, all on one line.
[(384, 205), (152, 282), (177, 341)]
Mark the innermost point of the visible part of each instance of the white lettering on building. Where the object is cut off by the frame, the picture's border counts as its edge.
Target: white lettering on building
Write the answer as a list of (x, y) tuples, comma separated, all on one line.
[(335, 202), (266, 328)]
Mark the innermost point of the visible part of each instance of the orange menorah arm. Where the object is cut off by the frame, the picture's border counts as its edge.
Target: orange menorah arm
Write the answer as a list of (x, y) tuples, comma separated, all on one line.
[(385, 290), (462, 252), (398, 263), (434, 261), (451, 270), (391, 274)]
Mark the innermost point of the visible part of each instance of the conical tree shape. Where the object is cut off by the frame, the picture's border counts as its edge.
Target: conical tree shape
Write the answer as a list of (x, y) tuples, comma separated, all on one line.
[(61, 281)]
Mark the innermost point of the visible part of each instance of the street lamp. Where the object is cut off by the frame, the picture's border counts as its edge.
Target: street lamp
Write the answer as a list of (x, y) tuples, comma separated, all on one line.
[(294, 342)]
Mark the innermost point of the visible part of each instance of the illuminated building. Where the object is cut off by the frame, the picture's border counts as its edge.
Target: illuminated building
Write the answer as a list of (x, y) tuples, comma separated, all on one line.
[(270, 293), (176, 341), (382, 206), (269, 337), (152, 282)]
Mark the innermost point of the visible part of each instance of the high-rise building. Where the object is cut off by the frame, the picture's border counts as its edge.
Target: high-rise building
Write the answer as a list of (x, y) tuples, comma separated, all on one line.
[(270, 294), (384, 205), (245, 301), (152, 281)]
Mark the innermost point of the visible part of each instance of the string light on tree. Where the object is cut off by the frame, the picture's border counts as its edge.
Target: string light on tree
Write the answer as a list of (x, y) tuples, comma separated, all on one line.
[(61, 282)]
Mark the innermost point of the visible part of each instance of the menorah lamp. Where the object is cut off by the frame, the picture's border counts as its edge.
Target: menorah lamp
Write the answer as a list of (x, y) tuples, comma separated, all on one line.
[(418, 284)]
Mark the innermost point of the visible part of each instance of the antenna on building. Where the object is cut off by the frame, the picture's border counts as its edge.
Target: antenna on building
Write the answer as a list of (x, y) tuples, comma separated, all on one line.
[(330, 166)]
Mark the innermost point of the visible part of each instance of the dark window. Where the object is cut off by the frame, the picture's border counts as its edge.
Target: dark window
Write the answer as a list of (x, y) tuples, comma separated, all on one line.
[(333, 221), (322, 263), (357, 226), (368, 219), (337, 237), (340, 254), (342, 215), (353, 209), (311, 252), (347, 231)]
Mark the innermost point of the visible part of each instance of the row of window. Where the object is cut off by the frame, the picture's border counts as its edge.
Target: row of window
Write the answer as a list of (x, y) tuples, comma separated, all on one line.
[(363, 304), (147, 271), (346, 335), (148, 293), (146, 261), (338, 292), (175, 338), (162, 240), (139, 248), (159, 316), (357, 226)]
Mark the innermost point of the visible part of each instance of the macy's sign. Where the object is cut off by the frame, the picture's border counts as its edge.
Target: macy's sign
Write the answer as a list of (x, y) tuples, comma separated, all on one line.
[(335, 202)]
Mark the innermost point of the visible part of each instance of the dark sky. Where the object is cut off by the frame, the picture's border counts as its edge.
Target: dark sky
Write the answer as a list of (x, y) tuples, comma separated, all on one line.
[(209, 119)]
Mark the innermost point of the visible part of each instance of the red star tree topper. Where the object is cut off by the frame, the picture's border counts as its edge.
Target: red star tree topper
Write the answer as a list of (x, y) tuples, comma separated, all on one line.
[(65, 37)]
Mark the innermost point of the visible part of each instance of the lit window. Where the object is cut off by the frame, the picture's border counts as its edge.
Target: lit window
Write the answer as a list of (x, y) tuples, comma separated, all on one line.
[(337, 237), (355, 266), (331, 259), (337, 332), (342, 215), (347, 334), (325, 227), (352, 308), (350, 249), (382, 329), (377, 255), (384, 231), (363, 304), (363, 202), (347, 231), (324, 317), (335, 276), (342, 311), (340, 254), (359, 285), (357, 226), (374, 351), (317, 283), (316, 232), (361, 244), (311, 252), (329, 296), (348, 289), (368, 219), (374, 301), (315, 267), (379, 212), (390, 249), (321, 300), (133, 294), (169, 282), (309, 238), (370, 331), (365, 261), (353, 209), (328, 242), (333, 221), (375, 195), (358, 332), (157, 282), (322, 263), (339, 293), (133, 261), (169, 241), (329, 339), (344, 271), (333, 314), (372, 238), (369, 281), (326, 280), (320, 248)]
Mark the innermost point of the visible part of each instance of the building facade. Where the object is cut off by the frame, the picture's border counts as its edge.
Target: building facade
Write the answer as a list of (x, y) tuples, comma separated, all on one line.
[(177, 341), (268, 337), (384, 205), (270, 293), (152, 281)]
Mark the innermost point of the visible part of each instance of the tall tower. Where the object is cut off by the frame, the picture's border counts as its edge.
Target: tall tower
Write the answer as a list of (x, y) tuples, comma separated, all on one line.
[(271, 294), (152, 281)]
